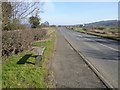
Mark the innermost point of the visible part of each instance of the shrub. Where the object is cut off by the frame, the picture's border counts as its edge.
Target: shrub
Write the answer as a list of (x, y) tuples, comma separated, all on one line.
[(8, 26), (13, 26), (84, 29), (34, 21), (100, 28), (18, 41)]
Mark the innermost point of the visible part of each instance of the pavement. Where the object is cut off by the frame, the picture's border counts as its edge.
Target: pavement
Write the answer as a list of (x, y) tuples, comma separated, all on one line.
[(101, 53), (70, 70)]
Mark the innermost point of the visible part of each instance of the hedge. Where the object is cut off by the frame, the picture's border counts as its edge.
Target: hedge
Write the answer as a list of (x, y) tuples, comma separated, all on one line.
[(14, 42)]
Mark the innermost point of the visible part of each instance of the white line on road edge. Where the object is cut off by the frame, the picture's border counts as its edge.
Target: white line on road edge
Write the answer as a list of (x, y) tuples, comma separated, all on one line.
[(99, 43), (103, 45)]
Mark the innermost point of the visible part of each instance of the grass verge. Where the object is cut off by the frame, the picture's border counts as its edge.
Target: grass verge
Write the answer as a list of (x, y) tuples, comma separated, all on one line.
[(28, 75), (109, 36)]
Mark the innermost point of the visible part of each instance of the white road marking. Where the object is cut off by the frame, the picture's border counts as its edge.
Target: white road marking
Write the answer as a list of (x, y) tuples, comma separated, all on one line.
[(105, 45), (100, 43)]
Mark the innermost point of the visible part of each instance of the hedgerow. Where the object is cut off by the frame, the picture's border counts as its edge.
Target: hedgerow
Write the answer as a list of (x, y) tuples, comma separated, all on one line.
[(17, 41)]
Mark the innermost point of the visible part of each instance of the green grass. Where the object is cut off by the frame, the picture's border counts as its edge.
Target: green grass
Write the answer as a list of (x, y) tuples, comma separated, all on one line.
[(79, 30), (28, 75), (22, 75)]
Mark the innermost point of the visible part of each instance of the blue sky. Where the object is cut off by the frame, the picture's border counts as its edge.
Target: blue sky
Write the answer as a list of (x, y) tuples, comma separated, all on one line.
[(70, 13)]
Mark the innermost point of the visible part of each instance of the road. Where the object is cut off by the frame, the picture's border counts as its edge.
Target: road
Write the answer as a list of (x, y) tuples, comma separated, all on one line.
[(101, 53), (70, 70)]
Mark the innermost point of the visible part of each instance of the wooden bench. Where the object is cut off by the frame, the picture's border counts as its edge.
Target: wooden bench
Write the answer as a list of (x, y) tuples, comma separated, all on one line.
[(38, 54)]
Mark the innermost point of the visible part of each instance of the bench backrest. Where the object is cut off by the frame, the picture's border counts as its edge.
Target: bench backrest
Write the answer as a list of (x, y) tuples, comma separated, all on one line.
[(39, 51)]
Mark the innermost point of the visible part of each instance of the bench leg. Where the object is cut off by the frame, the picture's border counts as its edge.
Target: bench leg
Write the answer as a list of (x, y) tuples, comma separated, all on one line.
[(38, 59)]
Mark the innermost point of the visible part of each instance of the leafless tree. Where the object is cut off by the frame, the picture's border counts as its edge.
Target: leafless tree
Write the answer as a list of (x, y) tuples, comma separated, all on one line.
[(21, 10)]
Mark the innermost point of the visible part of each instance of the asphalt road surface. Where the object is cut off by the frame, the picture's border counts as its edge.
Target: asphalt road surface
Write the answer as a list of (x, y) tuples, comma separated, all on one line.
[(100, 52), (70, 70)]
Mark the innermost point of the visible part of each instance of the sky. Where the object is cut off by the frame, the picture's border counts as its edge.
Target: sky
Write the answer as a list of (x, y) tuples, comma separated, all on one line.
[(71, 13)]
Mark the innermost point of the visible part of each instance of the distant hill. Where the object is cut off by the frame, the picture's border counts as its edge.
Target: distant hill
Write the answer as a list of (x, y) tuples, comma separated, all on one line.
[(108, 23)]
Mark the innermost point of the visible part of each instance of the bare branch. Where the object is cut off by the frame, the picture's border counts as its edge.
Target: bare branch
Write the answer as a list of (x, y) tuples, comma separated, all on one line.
[(23, 9)]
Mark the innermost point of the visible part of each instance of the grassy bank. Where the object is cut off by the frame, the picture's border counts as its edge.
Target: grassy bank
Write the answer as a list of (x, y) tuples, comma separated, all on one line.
[(28, 75), (106, 33)]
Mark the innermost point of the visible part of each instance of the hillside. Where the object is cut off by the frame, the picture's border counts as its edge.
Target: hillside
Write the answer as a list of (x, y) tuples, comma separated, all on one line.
[(108, 23)]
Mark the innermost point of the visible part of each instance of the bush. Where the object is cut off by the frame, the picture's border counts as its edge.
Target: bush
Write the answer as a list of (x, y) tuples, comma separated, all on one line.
[(14, 42), (8, 26), (84, 29), (100, 28), (13, 26), (34, 21)]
